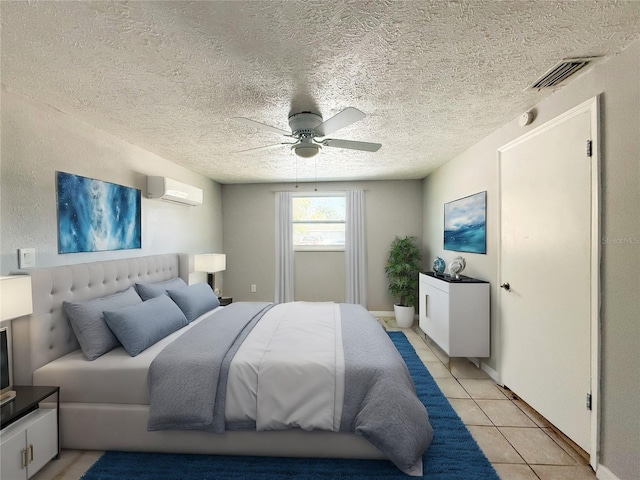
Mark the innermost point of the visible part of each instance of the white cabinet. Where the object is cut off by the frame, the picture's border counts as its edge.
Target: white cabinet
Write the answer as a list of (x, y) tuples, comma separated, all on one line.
[(28, 444), (455, 314)]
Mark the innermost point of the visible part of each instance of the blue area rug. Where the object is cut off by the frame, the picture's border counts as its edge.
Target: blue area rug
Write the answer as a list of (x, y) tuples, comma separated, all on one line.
[(453, 454)]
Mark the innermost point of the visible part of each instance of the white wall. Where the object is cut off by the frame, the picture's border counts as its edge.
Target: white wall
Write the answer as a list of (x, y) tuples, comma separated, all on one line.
[(38, 140), (392, 208), (618, 80), (319, 276)]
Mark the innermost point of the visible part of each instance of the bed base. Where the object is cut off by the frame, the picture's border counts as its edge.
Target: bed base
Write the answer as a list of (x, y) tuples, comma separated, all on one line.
[(98, 426)]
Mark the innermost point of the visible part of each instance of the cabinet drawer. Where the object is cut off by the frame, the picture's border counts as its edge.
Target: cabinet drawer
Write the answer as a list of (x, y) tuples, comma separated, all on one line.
[(42, 441), (436, 319)]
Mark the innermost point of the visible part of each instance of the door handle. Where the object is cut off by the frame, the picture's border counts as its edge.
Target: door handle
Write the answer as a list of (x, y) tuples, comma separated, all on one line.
[(506, 286)]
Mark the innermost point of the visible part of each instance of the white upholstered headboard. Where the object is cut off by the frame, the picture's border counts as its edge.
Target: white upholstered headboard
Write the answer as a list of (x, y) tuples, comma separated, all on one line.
[(46, 334)]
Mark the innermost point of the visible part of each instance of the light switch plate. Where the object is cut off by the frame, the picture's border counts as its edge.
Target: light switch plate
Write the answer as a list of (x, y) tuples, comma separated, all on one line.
[(26, 258)]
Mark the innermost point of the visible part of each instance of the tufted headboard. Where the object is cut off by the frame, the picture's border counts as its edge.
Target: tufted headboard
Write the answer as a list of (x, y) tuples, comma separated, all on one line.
[(46, 334)]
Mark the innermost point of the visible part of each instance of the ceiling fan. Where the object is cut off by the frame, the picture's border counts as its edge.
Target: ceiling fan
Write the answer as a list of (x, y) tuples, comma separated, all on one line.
[(308, 132)]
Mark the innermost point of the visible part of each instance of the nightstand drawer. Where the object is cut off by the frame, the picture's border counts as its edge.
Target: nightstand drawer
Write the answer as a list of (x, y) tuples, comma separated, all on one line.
[(224, 301)]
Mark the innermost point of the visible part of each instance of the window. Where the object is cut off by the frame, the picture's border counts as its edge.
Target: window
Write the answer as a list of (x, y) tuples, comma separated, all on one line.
[(318, 221)]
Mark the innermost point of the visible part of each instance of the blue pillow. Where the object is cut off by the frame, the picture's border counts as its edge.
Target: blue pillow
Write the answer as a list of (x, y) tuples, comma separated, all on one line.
[(88, 323), (194, 300), (152, 290), (140, 326)]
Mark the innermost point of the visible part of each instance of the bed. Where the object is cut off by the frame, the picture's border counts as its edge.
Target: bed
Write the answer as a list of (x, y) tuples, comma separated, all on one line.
[(118, 400)]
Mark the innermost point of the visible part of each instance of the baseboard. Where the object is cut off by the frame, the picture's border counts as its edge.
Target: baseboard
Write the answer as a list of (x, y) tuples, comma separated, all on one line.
[(475, 361), (491, 372), (383, 314), (603, 473)]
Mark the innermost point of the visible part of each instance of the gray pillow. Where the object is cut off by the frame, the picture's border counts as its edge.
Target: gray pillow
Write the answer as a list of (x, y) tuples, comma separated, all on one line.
[(88, 323), (152, 290), (140, 326), (194, 300)]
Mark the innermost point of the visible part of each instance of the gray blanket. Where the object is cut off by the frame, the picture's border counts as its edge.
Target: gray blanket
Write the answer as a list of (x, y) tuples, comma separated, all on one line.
[(186, 379), (187, 382), (380, 402)]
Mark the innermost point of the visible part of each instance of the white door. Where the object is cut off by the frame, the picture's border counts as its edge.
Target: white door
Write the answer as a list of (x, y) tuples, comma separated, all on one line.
[(546, 260)]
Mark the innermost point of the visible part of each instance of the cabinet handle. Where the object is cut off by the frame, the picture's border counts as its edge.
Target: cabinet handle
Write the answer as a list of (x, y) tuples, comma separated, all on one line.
[(31, 452), (24, 458)]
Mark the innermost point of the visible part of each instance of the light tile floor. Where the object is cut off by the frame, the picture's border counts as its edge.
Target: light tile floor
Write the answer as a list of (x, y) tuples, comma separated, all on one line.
[(519, 442)]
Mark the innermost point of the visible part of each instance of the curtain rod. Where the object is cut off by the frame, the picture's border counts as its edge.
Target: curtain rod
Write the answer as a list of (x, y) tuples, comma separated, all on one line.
[(320, 191)]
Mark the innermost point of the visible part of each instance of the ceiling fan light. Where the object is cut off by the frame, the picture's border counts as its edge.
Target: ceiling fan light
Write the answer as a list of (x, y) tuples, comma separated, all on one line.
[(306, 151)]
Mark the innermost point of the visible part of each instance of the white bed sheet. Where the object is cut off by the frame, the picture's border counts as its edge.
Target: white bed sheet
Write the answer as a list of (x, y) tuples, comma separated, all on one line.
[(290, 372), (115, 377)]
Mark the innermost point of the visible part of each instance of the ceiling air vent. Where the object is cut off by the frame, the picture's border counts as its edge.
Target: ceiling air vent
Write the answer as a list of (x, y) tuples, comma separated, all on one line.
[(560, 72)]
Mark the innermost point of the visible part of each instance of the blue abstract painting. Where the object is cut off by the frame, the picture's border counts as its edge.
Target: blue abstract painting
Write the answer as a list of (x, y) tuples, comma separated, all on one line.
[(95, 216), (465, 224)]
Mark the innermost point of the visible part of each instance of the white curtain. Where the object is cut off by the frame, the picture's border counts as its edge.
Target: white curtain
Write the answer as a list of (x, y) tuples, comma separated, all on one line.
[(284, 248), (355, 249)]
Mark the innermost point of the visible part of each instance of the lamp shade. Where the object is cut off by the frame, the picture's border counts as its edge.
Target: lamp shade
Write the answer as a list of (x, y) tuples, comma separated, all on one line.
[(209, 262), (15, 297)]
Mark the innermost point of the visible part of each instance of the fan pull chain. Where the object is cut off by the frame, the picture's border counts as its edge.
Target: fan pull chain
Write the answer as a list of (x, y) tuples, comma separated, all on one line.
[(315, 175)]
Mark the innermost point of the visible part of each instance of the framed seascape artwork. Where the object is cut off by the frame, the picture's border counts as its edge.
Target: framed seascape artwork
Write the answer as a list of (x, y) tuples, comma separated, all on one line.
[(465, 224), (95, 216)]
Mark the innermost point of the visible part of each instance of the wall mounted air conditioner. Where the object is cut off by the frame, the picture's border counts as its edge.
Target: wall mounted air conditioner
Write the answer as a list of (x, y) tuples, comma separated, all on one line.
[(170, 190)]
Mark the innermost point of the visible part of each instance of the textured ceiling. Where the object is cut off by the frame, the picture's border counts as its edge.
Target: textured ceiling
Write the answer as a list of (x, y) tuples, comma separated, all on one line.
[(433, 77)]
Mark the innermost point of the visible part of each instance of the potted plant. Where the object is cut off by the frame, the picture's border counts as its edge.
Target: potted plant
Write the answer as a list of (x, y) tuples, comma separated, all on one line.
[(403, 267)]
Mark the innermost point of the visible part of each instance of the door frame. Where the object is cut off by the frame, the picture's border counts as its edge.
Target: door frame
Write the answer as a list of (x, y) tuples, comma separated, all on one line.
[(593, 107)]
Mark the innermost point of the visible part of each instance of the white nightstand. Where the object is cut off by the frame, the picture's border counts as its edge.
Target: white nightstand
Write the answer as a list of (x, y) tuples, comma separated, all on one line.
[(30, 435), (455, 314)]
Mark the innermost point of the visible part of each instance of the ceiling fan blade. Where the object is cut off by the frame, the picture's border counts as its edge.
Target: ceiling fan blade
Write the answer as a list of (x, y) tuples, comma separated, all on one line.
[(266, 147), (352, 145), (340, 120), (263, 126)]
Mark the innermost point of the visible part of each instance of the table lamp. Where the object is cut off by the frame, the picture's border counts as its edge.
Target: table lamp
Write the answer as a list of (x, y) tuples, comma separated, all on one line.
[(210, 263)]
